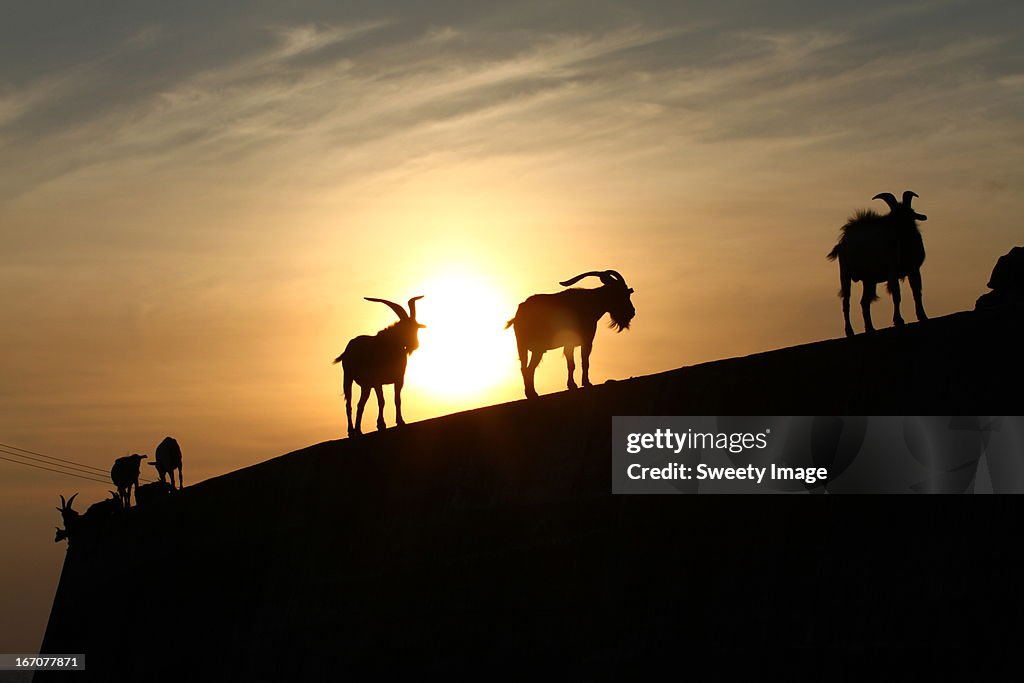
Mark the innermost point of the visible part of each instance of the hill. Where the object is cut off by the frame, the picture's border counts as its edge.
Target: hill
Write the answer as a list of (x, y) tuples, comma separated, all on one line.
[(488, 541)]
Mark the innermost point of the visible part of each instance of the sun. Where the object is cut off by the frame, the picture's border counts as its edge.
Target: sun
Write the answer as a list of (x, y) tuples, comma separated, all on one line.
[(465, 352)]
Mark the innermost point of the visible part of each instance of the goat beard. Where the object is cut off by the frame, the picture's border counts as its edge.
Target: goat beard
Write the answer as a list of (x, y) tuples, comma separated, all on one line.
[(618, 326)]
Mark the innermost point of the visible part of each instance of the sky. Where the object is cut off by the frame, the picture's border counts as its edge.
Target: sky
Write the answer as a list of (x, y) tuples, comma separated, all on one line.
[(195, 197)]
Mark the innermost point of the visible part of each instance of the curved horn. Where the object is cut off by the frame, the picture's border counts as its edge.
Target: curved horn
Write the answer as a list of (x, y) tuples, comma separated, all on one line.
[(617, 275), (573, 280), (399, 311), (412, 306), (908, 197), (63, 503), (889, 198), (71, 500)]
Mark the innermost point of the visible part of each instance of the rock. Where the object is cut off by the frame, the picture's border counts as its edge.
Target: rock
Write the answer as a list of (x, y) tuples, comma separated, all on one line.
[(1006, 283)]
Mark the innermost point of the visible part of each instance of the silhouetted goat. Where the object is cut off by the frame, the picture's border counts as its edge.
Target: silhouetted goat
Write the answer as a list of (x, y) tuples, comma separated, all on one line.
[(874, 248), (74, 521), (105, 508), (569, 319), (168, 459), (372, 362), (125, 475), (147, 494)]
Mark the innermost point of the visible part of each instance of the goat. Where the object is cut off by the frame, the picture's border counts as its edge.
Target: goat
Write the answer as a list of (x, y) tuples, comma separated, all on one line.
[(372, 362), (569, 319), (105, 508), (125, 475), (877, 248), (168, 459), (147, 494), (72, 520)]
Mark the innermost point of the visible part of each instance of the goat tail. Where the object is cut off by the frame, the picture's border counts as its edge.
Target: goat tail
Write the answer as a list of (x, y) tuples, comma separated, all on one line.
[(510, 323), (338, 359), (834, 254)]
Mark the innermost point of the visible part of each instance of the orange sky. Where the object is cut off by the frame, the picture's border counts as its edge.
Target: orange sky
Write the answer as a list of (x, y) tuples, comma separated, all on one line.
[(194, 202)]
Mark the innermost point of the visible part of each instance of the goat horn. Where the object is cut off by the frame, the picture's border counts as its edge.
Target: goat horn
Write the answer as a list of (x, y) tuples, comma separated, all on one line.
[(412, 306), (63, 503), (573, 280), (399, 311), (889, 198), (71, 500), (908, 197), (617, 275)]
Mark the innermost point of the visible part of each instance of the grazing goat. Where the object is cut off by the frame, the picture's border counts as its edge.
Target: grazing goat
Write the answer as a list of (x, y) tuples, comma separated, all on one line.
[(168, 459), (125, 475), (147, 494), (874, 248), (372, 362), (105, 508), (569, 319)]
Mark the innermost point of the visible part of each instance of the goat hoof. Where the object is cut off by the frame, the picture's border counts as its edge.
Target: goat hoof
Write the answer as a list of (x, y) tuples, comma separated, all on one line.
[(381, 427), (400, 423), (572, 386), (850, 332)]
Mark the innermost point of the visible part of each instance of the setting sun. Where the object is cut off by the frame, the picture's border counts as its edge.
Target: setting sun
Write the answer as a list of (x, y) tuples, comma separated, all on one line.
[(464, 351)]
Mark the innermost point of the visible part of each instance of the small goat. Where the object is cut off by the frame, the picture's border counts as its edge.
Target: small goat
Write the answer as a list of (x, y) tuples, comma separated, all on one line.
[(71, 518), (372, 362), (125, 475), (168, 459), (874, 248), (569, 319), (150, 493)]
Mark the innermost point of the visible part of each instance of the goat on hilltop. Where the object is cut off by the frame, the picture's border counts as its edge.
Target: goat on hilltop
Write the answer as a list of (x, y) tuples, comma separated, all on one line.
[(568, 319), (168, 459), (372, 362), (125, 475), (876, 248)]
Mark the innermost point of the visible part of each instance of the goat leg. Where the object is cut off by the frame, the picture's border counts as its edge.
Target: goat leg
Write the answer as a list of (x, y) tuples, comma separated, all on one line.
[(570, 365), (379, 390), (398, 402), (915, 286), (585, 350), (894, 290), (866, 298)]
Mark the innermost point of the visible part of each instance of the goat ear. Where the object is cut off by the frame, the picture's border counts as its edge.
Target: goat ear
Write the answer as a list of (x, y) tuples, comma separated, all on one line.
[(630, 290), (420, 325)]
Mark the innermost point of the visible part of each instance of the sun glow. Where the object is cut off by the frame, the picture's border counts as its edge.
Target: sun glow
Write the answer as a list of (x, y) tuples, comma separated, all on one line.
[(463, 355)]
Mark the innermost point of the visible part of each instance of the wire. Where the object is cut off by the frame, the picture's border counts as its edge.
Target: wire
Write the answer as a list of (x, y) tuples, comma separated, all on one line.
[(52, 457), (79, 467), (70, 474), (46, 462)]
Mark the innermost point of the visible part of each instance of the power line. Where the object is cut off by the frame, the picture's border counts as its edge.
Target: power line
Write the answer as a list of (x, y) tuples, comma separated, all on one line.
[(47, 462), (53, 457), (70, 474), (79, 467)]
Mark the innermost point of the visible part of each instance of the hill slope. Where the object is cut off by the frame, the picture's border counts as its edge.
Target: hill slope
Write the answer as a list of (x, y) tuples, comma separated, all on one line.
[(489, 539)]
